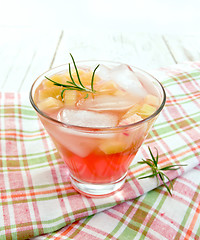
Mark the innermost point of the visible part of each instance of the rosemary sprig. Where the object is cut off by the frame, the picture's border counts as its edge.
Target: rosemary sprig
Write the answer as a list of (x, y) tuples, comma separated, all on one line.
[(72, 85), (158, 172)]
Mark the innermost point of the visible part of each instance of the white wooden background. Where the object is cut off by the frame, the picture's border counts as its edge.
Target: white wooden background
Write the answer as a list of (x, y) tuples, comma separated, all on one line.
[(38, 35), (34, 52)]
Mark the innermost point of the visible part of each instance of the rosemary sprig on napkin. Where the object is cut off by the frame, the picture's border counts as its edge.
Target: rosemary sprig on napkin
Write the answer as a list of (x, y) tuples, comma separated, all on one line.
[(159, 172)]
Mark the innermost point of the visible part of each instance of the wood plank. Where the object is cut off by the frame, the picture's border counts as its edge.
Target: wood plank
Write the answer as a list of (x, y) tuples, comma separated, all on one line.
[(184, 47), (25, 54), (147, 51), (42, 58)]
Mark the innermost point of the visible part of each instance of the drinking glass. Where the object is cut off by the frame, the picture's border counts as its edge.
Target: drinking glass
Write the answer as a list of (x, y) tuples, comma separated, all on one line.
[(94, 172)]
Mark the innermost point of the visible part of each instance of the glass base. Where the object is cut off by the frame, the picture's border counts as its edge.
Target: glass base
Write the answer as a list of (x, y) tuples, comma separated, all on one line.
[(97, 190)]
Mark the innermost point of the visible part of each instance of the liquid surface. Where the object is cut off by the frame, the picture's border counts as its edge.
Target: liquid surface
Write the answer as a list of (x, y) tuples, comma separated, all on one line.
[(119, 93)]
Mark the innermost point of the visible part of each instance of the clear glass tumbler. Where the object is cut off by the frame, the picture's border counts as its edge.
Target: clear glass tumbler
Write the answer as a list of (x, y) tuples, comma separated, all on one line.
[(94, 172)]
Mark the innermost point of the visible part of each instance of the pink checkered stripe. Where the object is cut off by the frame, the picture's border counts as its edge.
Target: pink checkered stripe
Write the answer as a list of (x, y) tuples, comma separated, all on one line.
[(37, 197)]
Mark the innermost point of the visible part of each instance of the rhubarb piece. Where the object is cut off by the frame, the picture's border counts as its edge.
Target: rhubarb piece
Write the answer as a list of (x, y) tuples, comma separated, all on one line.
[(49, 103), (146, 110), (60, 78), (151, 100), (113, 146), (133, 110), (70, 97), (54, 92), (85, 76)]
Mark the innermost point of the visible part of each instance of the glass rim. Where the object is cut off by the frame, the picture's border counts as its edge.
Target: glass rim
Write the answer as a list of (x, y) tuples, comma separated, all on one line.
[(102, 129)]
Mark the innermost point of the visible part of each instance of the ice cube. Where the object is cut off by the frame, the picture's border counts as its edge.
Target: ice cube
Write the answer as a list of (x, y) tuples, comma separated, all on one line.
[(103, 72), (127, 80), (147, 83), (109, 102), (85, 118), (124, 77), (79, 144)]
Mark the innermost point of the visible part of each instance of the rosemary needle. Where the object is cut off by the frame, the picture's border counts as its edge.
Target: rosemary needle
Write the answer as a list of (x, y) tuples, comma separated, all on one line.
[(158, 172)]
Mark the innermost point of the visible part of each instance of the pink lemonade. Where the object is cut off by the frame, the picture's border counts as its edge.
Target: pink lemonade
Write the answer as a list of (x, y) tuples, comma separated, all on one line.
[(98, 133)]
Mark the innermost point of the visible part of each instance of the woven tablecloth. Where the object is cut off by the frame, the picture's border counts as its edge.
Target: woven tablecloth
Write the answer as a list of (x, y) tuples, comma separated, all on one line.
[(37, 199)]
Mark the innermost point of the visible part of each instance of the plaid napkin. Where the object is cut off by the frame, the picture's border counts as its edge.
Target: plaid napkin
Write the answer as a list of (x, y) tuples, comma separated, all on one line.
[(37, 196)]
